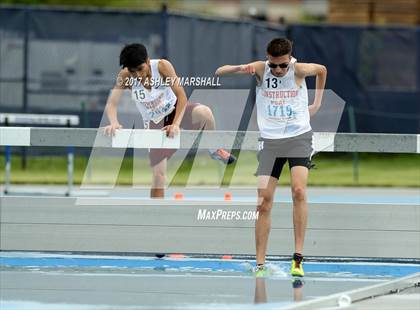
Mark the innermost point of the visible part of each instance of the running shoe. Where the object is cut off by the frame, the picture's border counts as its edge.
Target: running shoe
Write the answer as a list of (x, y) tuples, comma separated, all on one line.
[(261, 271), (297, 266), (224, 156)]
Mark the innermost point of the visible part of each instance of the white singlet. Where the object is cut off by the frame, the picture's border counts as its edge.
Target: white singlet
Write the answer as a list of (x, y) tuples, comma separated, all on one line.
[(282, 106), (155, 103)]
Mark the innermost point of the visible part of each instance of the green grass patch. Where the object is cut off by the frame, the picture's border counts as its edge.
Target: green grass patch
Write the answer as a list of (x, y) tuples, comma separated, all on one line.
[(335, 169)]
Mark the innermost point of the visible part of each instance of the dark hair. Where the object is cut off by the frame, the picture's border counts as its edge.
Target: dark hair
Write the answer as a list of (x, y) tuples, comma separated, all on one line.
[(133, 55), (279, 47)]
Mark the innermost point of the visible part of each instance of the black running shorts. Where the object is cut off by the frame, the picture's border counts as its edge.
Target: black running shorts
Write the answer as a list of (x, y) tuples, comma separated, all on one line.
[(274, 153)]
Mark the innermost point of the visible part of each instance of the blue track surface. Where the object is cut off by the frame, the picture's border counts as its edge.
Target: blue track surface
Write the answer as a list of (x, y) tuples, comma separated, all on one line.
[(207, 265)]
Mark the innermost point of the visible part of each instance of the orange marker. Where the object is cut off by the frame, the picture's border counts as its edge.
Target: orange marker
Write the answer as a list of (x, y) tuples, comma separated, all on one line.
[(179, 196), (227, 257), (228, 196), (176, 256)]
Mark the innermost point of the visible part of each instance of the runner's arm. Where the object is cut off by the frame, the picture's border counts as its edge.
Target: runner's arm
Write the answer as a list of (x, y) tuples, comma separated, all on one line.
[(168, 72), (255, 68), (310, 69), (111, 106)]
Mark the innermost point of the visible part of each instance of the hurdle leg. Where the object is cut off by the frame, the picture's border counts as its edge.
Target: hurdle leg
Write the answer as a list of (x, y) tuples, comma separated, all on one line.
[(8, 168), (70, 170)]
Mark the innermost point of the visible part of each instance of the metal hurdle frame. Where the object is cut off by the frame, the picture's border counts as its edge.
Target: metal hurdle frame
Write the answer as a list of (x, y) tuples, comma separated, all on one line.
[(38, 119), (187, 139), (196, 139)]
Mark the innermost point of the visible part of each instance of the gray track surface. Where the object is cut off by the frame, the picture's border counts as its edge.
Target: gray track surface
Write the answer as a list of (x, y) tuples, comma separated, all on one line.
[(407, 300), (127, 224)]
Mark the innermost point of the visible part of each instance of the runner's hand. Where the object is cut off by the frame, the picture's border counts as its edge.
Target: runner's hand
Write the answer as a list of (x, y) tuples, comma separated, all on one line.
[(111, 129), (171, 130)]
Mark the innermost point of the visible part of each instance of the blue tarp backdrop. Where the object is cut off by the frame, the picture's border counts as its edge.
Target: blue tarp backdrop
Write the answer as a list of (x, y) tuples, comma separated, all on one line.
[(65, 61)]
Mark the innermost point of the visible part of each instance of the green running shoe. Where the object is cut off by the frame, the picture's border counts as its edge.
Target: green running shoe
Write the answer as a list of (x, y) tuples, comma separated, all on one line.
[(261, 271), (297, 266)]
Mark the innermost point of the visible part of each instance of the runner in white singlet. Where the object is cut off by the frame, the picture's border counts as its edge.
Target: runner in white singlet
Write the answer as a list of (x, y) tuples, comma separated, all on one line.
[(283, 115), (162, 103)]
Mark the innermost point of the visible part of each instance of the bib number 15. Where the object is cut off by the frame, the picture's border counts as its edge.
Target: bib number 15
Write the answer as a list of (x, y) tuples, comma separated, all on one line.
[(140, 95)]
